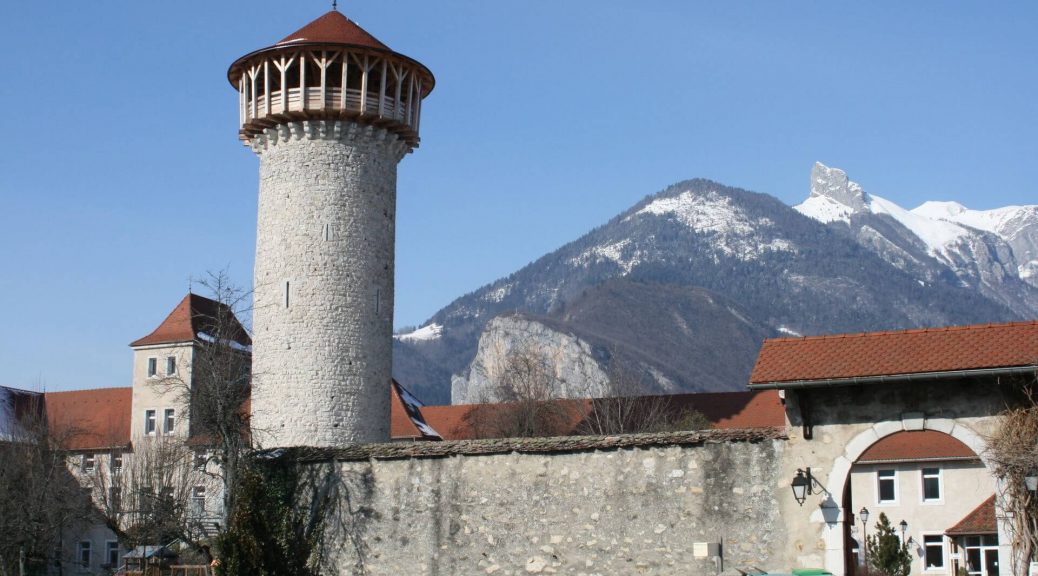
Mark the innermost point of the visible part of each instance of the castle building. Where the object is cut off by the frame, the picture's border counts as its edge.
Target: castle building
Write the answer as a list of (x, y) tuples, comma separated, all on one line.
[(330, 111)]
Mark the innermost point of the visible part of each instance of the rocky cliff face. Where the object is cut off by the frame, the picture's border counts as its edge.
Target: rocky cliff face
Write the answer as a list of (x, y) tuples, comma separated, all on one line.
[(690, 280), (560, 363)]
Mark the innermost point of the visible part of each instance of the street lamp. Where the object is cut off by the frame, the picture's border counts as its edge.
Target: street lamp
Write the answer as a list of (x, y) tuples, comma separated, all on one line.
[(904, 527), (801, 486), (864, 515)]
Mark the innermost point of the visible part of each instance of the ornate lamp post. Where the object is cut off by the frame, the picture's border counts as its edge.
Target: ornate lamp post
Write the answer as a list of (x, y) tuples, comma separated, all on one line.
[(904, 527), (864, 515)]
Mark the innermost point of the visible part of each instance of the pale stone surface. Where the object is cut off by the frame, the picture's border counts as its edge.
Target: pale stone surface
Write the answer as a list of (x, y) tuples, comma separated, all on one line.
[(322, 343), (522, 513), (575, 370)]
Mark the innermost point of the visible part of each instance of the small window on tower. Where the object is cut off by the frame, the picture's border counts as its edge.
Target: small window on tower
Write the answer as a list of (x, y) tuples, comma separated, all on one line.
[(329, 232), (378, 301), (287, 294), (153, 366)]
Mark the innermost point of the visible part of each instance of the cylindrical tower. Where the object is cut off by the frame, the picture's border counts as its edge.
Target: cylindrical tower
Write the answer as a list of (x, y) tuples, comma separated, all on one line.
[(330, 111)]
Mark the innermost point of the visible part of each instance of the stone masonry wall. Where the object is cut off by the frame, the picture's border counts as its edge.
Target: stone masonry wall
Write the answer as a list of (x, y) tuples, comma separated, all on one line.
[(322, 347), (632, 510)]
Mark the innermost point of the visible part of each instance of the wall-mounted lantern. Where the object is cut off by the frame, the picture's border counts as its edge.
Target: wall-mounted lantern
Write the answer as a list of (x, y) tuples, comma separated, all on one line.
[(1031, 481), (803, 484)]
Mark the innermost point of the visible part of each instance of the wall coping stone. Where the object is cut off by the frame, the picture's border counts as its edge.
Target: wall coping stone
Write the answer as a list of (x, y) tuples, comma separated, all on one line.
[(556, 444)]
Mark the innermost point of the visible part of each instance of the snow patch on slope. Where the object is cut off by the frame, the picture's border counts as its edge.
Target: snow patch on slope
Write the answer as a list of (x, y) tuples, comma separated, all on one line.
[(825, 210), (425, 333), (612, 252), (733, 231), (938, 235)]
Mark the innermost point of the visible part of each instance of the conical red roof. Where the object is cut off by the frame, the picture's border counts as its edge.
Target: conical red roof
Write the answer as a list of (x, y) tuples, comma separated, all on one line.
[(333, 28)]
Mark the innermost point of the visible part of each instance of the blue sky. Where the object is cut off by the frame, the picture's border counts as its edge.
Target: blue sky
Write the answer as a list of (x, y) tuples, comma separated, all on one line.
[(121, 175)]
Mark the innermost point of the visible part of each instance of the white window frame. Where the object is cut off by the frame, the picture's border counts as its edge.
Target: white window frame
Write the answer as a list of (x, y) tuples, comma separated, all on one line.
[(897, 491), (108, 553), (153, 367), (115, 461), (171, 365), (944, 552), (150, 422), (88, 463), (169, 421), (84, 546), (198, 500), (940, 485)]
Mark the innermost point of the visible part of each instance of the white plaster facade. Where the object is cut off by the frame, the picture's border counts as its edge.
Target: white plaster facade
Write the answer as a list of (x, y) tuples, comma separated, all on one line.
[(157, 389), (963, 487)]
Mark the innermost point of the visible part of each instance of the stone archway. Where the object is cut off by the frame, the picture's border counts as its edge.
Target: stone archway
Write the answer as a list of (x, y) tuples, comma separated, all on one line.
[(831, 513)]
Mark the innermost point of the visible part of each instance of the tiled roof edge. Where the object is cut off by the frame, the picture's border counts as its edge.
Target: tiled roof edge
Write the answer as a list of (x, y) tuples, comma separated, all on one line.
[(938, 329), (880, 378)]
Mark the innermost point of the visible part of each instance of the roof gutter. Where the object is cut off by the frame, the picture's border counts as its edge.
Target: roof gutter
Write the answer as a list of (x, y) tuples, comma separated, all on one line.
[(894, 379)]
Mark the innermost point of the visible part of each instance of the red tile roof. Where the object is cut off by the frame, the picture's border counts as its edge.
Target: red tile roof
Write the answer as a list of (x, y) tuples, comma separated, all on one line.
[(875, 354), (726, 410), (980, 521), (333, 28), (406, 421), (196, 315), (90, 419), (917, 445)]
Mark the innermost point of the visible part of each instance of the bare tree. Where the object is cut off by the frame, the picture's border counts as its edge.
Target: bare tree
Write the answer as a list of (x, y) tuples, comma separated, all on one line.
[(39, 497), (1012, 450), (156, 496), (628, 406), (217, 393), (525, 382)]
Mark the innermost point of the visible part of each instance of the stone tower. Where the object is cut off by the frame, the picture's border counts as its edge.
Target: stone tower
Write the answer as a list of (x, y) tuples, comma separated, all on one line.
[(330, 111)]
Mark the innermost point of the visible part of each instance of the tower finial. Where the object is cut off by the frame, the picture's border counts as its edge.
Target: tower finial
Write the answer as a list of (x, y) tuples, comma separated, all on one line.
[(335, 4)]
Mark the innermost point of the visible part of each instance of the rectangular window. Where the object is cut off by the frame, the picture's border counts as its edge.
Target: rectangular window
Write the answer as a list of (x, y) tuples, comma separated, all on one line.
[(931, 484), (287, 294), (169, 421), (84, 553), (887, 488), (149, 421), (87, 463), (145, 499), (112, 553), (934, 556), (115, 498), (200, 460), (378, 301), (153, 367), (198, 500), (115, 464), (171, 365)]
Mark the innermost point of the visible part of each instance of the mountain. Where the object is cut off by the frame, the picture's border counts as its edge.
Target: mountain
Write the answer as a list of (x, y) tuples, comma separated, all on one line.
[(992, 251), (687, 283)]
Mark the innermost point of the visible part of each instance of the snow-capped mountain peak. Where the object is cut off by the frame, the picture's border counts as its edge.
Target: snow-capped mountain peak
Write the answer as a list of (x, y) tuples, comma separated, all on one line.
[(834, 197), (994, 249)]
